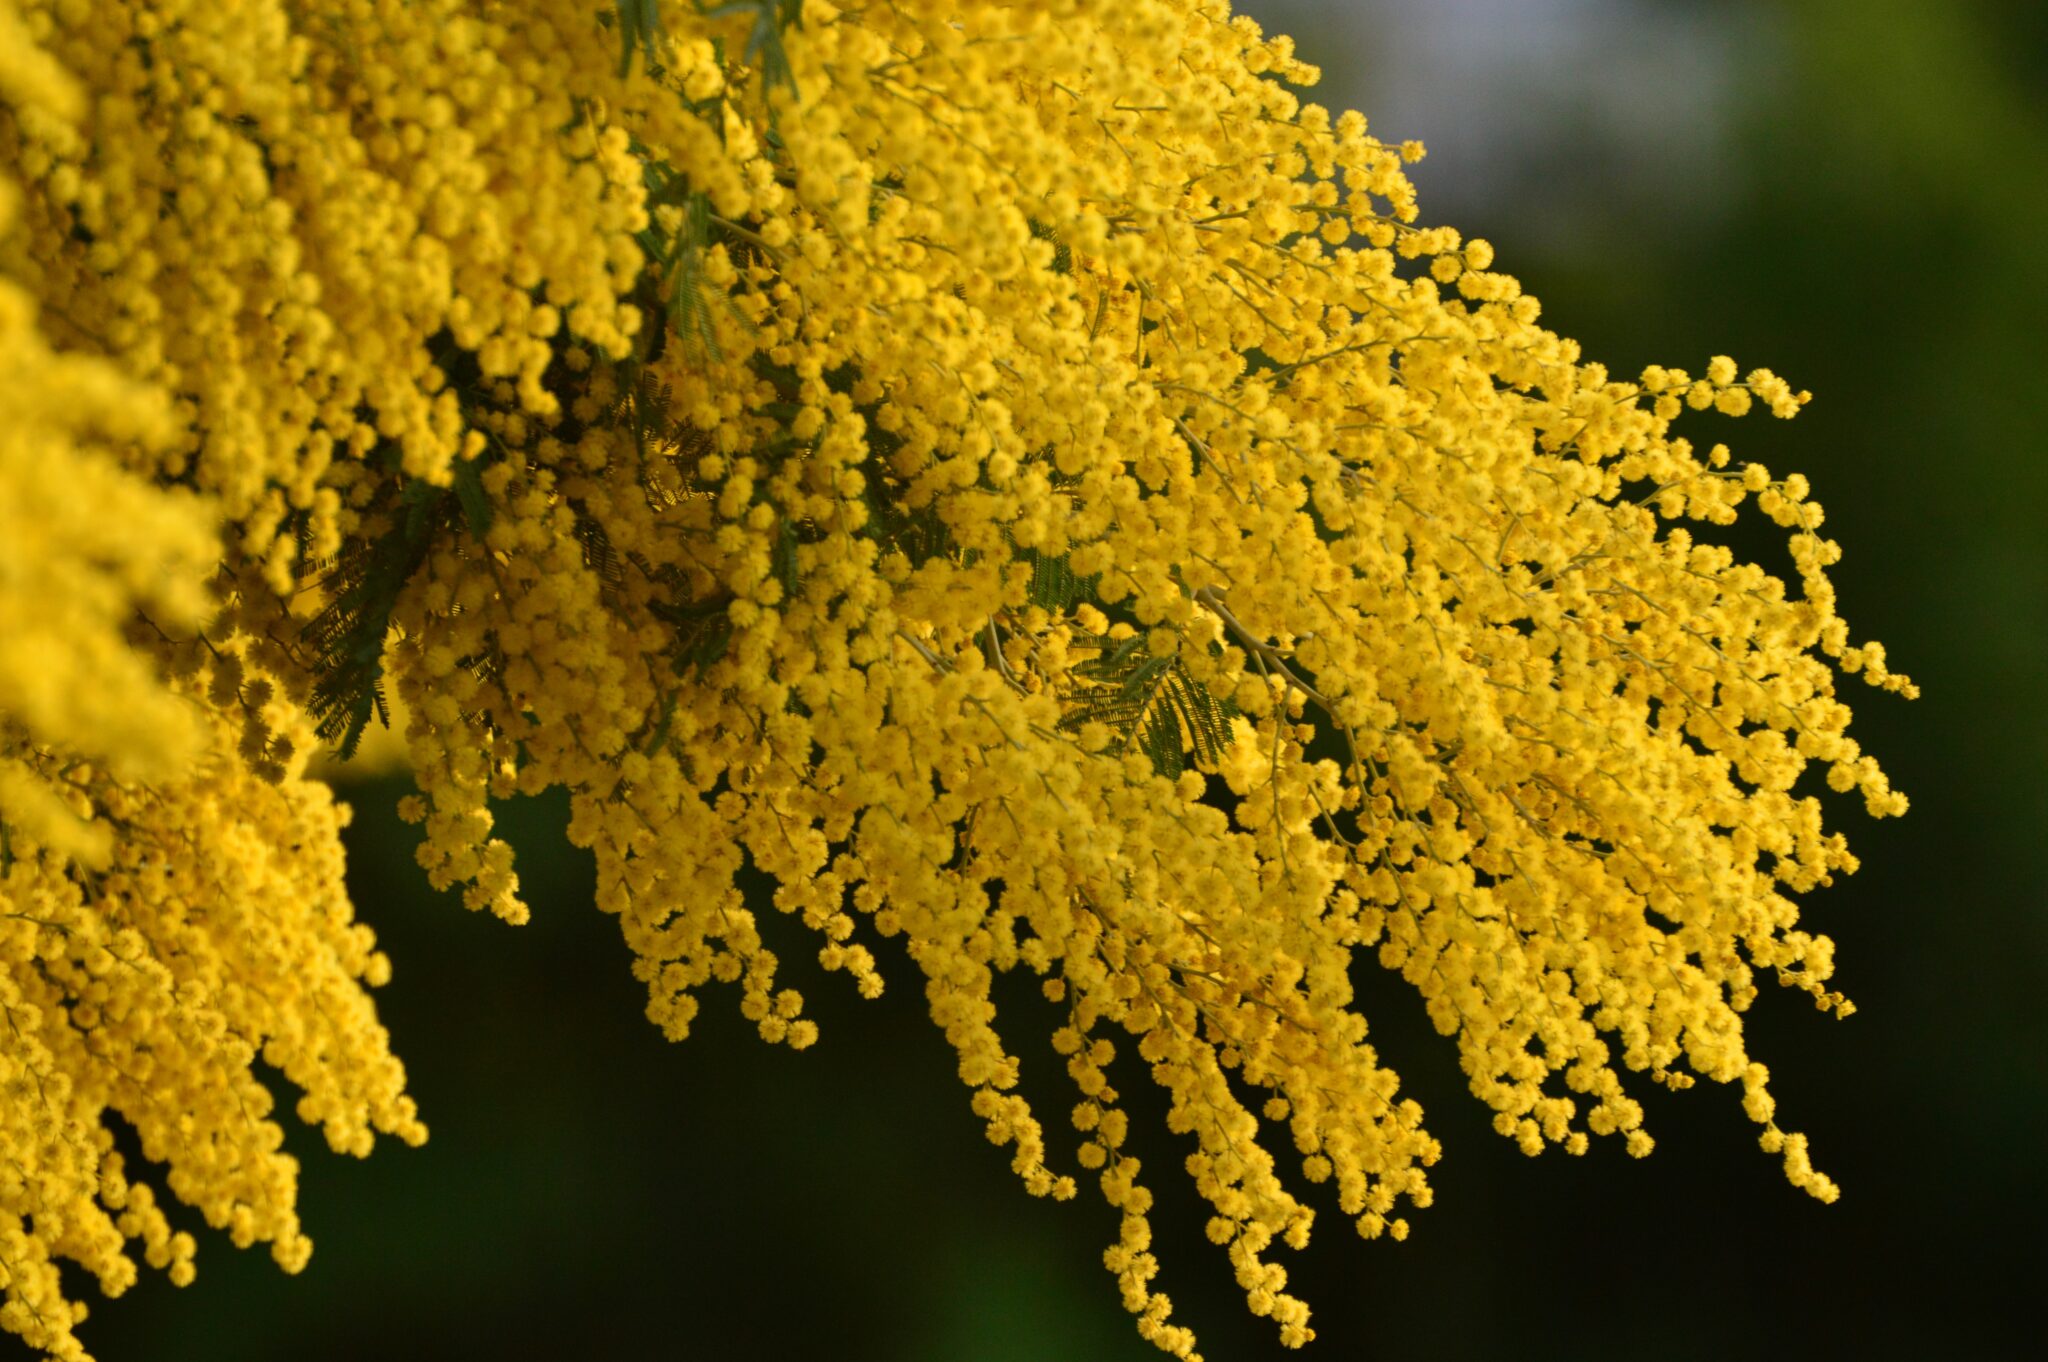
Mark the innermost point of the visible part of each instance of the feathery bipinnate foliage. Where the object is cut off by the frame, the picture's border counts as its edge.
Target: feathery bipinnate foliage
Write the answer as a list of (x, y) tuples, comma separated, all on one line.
[(1015, 476)]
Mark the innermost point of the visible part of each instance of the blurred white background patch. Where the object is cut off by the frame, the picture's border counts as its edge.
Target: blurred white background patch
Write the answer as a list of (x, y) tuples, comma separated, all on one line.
[(1591, 118)]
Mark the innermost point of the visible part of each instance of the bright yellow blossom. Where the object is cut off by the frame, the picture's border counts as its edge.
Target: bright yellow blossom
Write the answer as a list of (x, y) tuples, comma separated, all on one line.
[(1016, 476)]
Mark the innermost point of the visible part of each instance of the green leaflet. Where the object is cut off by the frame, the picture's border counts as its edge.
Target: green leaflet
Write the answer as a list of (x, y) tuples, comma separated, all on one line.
[(1062, 254), (703, 631), (1150, 703), (469, 491), (679, 259), (1053, 584), (363, 585), (639, 23), (764, 50)]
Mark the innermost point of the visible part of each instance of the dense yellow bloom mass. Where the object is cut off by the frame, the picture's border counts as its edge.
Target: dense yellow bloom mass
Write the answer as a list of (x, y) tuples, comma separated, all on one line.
[(1015, 475)]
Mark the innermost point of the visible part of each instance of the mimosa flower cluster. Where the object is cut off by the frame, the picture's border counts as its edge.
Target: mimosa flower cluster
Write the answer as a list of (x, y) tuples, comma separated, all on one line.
[(1018, 477)]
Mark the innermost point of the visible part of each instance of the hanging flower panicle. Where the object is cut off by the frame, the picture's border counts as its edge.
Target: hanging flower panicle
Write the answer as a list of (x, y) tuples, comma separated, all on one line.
[(1016, 476)]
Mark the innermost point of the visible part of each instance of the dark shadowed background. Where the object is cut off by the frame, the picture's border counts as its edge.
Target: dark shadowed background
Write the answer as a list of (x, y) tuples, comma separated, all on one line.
[(1851, 192)]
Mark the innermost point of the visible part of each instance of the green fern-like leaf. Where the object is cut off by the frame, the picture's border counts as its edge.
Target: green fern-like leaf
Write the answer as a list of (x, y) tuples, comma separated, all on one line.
[(1149, 704), (347, 638), (1054, 585), (703, 631)]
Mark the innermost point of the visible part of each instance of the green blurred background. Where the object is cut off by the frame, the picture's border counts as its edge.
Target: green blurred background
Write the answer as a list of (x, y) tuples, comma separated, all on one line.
[(1849, 191)]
